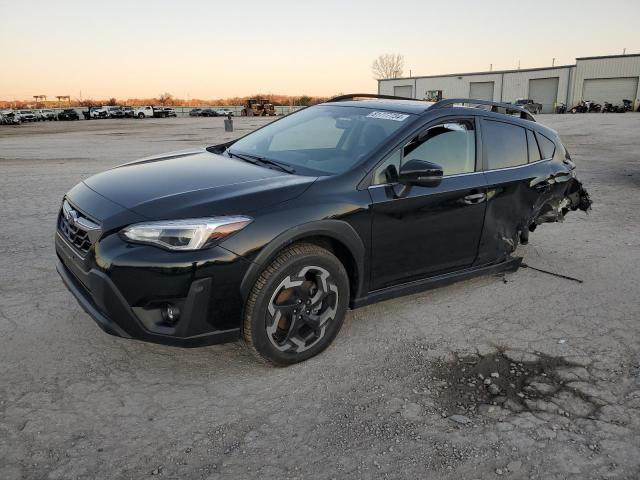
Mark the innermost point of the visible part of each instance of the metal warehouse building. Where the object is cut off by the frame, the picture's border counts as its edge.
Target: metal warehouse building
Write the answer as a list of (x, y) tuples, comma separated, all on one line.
[(608, 78)]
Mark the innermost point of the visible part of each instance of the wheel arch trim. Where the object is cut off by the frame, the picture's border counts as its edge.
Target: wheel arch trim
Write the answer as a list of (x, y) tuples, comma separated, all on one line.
[(337, 230)]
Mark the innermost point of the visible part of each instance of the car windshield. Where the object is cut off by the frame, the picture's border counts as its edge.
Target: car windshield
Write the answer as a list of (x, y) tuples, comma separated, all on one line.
[(326, 138)]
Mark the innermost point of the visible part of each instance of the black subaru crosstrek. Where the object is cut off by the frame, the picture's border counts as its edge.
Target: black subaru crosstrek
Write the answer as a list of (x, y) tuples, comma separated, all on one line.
[(271, 237)]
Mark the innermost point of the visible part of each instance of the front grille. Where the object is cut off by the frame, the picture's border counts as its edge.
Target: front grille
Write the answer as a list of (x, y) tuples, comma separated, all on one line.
[(76, 228), (78, 237)]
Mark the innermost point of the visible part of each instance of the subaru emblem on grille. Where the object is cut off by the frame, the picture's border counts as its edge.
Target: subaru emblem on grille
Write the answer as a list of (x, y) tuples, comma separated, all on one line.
[(72, 218), (69, 214)]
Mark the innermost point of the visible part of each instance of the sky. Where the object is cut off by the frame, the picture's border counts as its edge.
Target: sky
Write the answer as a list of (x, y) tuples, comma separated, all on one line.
[(214, 49)]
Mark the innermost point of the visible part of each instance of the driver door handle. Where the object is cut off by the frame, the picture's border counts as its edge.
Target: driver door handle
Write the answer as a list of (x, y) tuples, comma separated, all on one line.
[(475, 198)]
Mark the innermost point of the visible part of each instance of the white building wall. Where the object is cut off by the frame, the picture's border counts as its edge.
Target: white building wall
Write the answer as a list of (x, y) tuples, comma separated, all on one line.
[(385, 87), (623, 66), (457, 86), (516, 84), (451, 86)]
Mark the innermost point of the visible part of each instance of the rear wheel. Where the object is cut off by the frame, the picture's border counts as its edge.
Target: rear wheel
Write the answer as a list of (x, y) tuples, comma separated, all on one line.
[(297, 305), (141, 115)]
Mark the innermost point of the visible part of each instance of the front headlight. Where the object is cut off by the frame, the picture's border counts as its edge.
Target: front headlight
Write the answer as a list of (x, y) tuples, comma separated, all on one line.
[(188, 234)]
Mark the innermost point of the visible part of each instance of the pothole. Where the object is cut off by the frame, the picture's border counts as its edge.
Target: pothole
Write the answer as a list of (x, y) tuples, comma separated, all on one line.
[(522, 382)]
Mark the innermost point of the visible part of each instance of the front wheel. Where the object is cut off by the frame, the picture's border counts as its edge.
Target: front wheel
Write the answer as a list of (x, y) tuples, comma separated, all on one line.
[(297, 305)]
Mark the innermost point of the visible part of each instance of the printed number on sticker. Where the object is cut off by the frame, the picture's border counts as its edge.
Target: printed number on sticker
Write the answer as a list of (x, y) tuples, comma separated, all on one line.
[(397, 117)]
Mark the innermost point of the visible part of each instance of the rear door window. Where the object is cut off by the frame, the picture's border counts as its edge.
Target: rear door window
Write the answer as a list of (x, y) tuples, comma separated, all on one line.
[(534, 151), (547, 147), (505, 144)]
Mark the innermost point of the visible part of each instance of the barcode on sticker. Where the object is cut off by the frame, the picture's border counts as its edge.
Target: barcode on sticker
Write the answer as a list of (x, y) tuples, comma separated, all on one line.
[(396, 117)]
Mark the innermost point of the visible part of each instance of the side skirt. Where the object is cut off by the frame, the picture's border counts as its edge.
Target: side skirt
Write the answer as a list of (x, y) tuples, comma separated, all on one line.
[(510, 265)]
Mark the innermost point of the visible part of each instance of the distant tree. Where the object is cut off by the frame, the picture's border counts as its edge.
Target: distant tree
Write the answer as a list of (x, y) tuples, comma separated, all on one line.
[(112, 101), (389, 65), (304, 100), (165, 98), (87, 102)]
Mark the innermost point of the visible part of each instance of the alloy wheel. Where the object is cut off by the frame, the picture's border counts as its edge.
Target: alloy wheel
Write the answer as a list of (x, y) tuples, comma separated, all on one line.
[(301, 308)]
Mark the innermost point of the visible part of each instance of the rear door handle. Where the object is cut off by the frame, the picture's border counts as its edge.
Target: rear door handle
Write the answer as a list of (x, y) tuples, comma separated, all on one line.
[(475, 198)]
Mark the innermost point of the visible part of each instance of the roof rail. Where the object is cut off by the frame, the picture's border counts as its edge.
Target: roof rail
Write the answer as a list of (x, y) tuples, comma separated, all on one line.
[(524, 114), (353, 96)]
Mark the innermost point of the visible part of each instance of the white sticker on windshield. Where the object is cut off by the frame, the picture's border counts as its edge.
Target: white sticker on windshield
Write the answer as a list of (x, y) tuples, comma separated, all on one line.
[(396, 117)]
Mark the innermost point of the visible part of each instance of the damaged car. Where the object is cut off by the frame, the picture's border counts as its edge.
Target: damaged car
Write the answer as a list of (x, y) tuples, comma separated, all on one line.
[(270, 238)]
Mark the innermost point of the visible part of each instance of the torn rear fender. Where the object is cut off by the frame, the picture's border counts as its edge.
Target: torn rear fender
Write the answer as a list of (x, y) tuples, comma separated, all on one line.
[(553, 209), (520, 199)]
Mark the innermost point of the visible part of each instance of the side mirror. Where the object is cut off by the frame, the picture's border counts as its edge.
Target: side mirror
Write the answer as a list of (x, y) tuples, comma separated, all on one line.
[(421, 173)]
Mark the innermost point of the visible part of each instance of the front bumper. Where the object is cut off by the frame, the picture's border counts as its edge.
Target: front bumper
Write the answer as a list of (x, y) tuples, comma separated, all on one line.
[(126, 299)]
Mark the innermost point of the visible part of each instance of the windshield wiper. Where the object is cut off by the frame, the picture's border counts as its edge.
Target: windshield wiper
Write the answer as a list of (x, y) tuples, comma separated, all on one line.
[(258, 160)]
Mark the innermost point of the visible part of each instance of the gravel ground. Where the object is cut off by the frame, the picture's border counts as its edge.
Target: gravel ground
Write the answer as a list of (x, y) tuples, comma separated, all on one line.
[(526, 375)]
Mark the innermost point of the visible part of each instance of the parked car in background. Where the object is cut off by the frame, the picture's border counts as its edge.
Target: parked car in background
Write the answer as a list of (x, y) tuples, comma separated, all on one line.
[(158, 112), (27, 116), (529, 105), (195, 112), (224, 112), (114, 112), (93, 113), (128, 112), (47, 114), (163, 112), (273, 236), (145, 111), (208, 112), (9, 117), (68, 114)]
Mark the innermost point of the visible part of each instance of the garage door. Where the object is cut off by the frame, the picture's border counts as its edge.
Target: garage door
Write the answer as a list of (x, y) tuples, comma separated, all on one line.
[(612, 90), (545, 92), (481, 90), (403, 91)]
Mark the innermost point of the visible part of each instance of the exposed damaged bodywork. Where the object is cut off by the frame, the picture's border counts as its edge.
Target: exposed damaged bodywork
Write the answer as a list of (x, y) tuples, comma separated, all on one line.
[(523, 199)]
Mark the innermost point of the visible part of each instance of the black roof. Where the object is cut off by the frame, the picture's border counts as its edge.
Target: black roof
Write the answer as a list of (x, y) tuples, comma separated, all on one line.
[(418, 107)]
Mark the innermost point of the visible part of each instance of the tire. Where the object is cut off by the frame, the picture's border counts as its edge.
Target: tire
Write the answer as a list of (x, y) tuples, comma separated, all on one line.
[(302, 274), (141, 115)]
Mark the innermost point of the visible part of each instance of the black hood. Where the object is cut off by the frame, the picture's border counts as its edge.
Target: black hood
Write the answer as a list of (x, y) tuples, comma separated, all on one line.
[(195, 183)]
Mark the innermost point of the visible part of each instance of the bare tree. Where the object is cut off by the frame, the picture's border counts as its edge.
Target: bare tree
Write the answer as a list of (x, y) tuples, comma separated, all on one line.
[(389, 65), (165, 98)]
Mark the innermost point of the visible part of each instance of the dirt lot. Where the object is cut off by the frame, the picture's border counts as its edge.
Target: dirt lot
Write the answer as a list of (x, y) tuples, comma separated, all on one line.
[(525, 376)]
